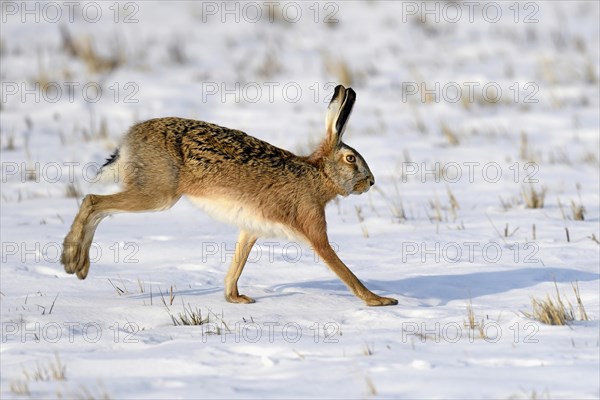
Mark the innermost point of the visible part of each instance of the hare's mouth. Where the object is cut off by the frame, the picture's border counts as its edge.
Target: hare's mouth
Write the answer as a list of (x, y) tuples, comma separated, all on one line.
[(361, 187)]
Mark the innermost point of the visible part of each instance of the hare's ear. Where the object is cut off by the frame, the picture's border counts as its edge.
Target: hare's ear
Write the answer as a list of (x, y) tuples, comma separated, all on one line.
[(338, 113)]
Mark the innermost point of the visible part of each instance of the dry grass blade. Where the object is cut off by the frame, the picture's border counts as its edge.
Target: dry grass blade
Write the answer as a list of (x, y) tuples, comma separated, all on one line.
[(470, 316), (524, 150), (117, 289), (371, 386), (453, 202), (72, 190), (450, 135), (436, 207), (52, 305), (58, 370), (368, 350), (141, 285), (582, 313), (162, 297), (361, 220)]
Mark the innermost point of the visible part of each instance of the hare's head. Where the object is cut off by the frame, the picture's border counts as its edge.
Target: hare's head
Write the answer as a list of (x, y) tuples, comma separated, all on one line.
[(343, 165)]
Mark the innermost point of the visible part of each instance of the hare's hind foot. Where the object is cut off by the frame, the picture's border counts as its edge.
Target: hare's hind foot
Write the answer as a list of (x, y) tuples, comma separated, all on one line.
[(75, 254), (75, 259), (245, 242), (239, 298), (381, 301)]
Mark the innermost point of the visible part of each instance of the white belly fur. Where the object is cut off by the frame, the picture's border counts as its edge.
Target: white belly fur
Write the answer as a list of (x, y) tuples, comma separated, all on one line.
[(243, 216)]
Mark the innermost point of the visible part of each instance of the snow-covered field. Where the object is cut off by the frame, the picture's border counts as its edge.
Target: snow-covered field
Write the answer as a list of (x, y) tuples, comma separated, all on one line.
[(459, 118)]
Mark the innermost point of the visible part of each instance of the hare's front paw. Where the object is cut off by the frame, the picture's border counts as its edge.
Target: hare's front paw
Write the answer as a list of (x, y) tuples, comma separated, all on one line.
[(381, 301), (240, 298)]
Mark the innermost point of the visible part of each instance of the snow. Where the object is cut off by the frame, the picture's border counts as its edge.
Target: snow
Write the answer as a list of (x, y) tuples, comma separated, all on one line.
[(307, 335)]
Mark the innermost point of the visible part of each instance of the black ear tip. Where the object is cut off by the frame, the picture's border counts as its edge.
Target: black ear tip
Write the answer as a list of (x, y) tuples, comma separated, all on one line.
[(339, 89), (351, 94)]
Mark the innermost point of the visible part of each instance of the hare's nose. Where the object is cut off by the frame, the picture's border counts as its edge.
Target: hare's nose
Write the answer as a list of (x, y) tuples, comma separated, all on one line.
[(371, 181)]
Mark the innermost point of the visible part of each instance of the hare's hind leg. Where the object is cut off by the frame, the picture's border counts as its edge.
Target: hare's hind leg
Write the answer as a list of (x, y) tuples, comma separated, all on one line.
[(94, 208), (245, 242)]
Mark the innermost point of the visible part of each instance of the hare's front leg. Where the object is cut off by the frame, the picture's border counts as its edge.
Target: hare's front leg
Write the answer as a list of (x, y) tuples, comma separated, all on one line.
[(242, 250), (343, 272), (317, 236)]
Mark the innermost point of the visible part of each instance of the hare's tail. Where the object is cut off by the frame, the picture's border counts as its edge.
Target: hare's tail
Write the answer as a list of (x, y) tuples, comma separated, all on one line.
[(112, 159), (113, 170)]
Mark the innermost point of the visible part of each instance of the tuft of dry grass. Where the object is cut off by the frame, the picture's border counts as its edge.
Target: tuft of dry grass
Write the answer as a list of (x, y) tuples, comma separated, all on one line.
[(577, 211), (340, 69), (84, 50), (550, 312), (270, 66), (394, 203), (20, 387), (440, 212), (533, 198), (590, 158), (53, 371), (193, 317), (10, 142), (553, 311), (85, 393), (472, 324), (189, 316), (509, 203)]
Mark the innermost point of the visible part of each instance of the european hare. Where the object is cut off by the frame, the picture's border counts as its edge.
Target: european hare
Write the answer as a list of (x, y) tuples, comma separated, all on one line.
[(264, 190)]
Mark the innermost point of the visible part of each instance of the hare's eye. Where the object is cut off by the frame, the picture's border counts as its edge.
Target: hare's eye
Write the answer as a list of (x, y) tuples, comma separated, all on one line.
[(350, 158)]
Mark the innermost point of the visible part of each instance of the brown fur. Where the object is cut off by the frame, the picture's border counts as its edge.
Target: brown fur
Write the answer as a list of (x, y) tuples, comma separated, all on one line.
[(162, 159)]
